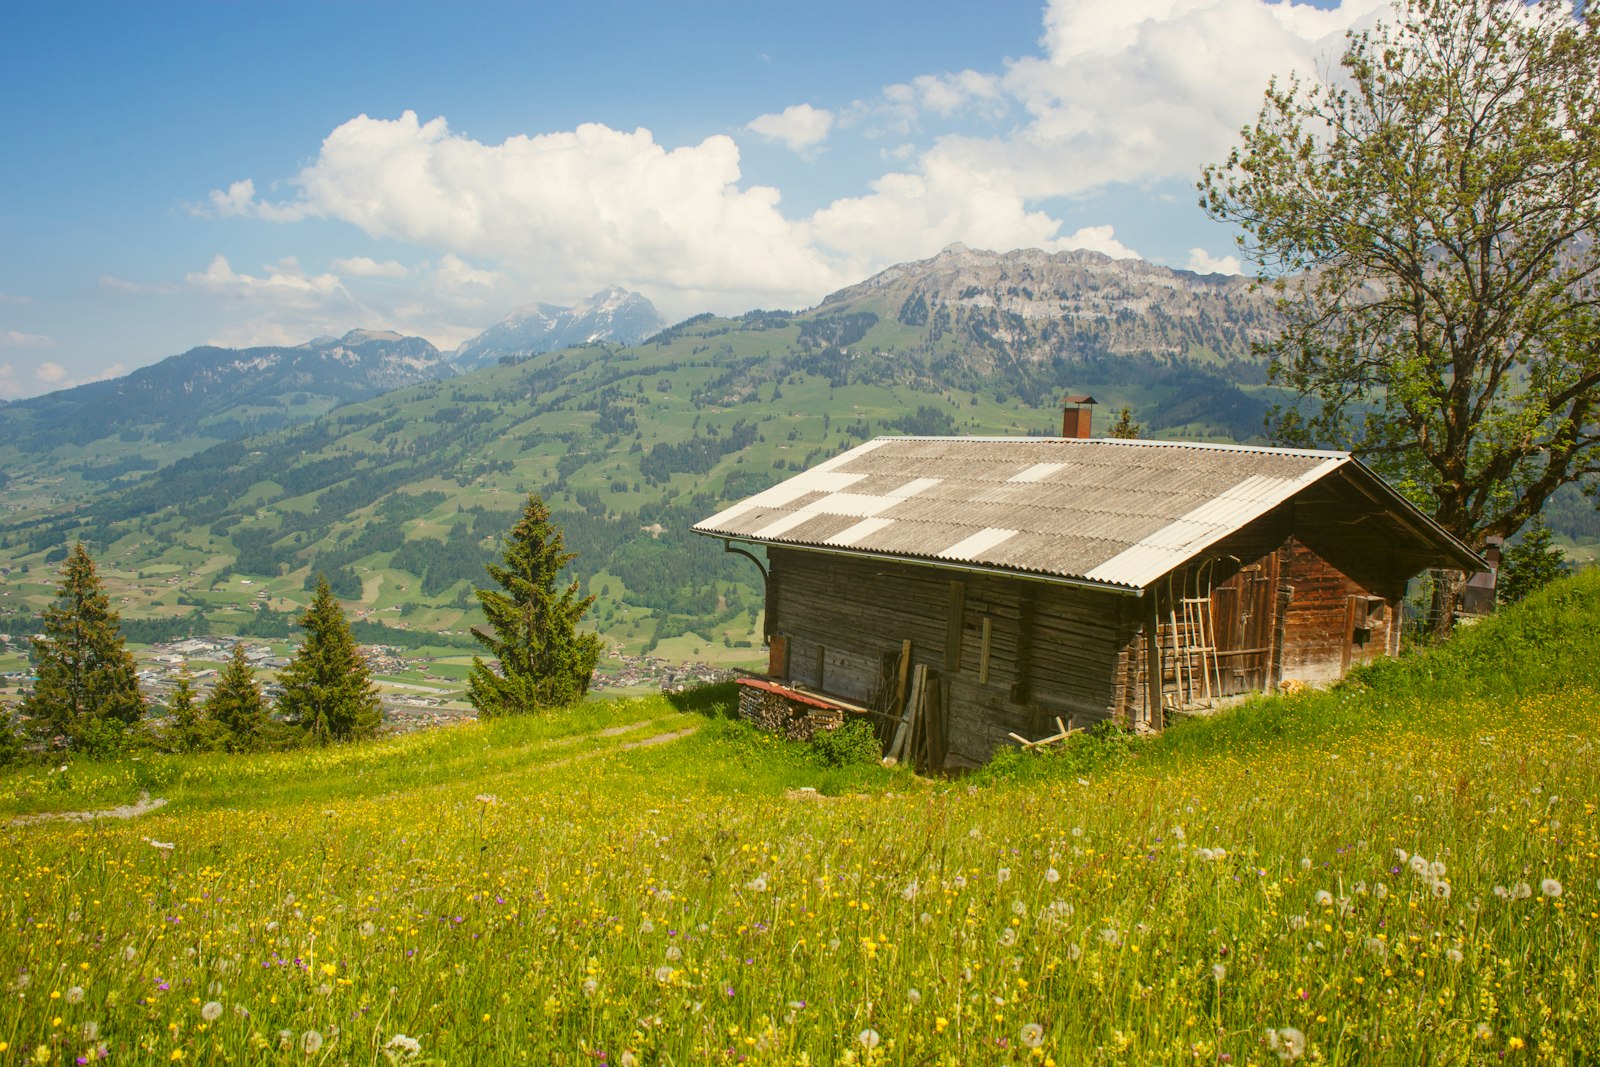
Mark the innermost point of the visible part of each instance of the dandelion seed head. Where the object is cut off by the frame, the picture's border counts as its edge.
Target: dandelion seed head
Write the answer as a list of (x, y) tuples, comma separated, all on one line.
[(1550, 888), (75, 995), (1288, 1042), (211, 1010), (869, 1038), (310, 1042), (1032, 1035), (1052, 875)]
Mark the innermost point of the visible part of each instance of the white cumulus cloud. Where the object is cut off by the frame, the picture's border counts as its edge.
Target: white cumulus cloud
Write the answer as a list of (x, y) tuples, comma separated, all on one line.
[(284, 283), (1203, 262), (1122, 94), (801, 127), (50, 372)]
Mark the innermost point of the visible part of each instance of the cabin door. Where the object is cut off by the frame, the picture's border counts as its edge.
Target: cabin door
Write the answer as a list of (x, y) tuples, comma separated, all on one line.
[(1244, 612)]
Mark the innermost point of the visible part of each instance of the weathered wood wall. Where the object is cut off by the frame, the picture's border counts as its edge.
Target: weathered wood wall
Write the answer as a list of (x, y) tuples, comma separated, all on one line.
[(1332, 621), (1014, 653)]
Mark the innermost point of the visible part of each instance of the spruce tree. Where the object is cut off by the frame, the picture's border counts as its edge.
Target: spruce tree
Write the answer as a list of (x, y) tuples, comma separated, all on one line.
[(327, 687), (544, 661), (86, 678), (236, 704), (1125, 429), (1531, 564), (190, 729)]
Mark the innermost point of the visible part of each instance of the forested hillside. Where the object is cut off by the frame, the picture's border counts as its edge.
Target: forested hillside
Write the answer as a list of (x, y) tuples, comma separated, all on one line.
[(400, 499)]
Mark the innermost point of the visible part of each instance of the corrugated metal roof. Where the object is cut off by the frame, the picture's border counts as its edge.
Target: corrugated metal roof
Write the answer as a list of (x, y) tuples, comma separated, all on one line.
[(1109, 512)]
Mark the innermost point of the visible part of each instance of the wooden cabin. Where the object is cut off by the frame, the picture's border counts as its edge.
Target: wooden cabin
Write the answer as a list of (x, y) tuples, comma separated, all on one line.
[(1038, 579)]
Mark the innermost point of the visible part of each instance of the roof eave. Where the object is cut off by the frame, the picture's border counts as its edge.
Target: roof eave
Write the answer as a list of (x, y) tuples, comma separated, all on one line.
[(1449, 545), (935, 562)]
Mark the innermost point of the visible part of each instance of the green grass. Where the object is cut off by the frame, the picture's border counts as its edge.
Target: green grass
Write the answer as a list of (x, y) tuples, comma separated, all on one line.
[(534, 890)]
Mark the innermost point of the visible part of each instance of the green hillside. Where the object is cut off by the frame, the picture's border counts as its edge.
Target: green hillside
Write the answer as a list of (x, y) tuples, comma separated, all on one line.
[(1400, 871), (400, 498)]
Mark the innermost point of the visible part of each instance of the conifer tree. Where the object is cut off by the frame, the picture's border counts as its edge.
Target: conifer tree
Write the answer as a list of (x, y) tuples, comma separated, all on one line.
[(544, 661), (1531, 564), (11, 750), (86, 678), (1125, 428), (327, 687), (236, 704), (191, 731)]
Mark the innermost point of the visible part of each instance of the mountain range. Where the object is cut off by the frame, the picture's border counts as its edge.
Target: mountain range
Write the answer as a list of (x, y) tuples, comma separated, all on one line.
[(400, 496), (614, 315)]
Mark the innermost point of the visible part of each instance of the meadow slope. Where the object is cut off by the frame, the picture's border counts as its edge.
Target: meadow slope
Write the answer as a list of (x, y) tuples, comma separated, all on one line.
[(1403, 870)]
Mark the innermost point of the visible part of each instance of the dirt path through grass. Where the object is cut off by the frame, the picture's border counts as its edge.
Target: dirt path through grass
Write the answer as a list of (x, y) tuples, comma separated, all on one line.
[(144, 805)]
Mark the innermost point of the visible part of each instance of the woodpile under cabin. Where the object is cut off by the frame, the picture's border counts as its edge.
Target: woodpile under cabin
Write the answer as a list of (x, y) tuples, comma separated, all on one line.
[(968, 593)]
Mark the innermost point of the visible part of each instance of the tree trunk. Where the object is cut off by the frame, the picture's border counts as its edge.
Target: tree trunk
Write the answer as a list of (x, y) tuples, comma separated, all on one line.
[(1442, 608)]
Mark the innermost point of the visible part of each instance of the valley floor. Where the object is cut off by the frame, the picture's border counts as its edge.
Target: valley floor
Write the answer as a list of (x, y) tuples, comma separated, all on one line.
[(1403, 870)]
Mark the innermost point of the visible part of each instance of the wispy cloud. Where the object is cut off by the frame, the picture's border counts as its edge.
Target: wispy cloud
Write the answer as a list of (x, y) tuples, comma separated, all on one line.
[(367, 267), (18, 339)]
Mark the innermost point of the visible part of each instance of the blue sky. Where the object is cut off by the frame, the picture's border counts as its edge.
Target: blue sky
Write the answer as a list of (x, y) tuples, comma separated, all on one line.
[(180, 174)]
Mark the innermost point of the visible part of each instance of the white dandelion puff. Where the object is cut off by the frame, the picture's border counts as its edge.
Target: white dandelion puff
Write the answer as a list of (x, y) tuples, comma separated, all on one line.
[(400, 1047), (1288, 1042), (210, 1011), (1323, 898), (869, 1038), (75, 995), (1052, 875), (663, 974), (310, 1042), (1032, 1035), (1550, 888)]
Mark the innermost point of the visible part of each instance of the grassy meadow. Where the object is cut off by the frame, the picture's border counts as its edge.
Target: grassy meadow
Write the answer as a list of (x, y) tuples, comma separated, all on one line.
[(1401, 871)]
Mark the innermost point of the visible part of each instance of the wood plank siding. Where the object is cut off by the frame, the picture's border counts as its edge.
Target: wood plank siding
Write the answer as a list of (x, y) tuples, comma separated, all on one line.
[(1015, 654), (1053, 650)]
